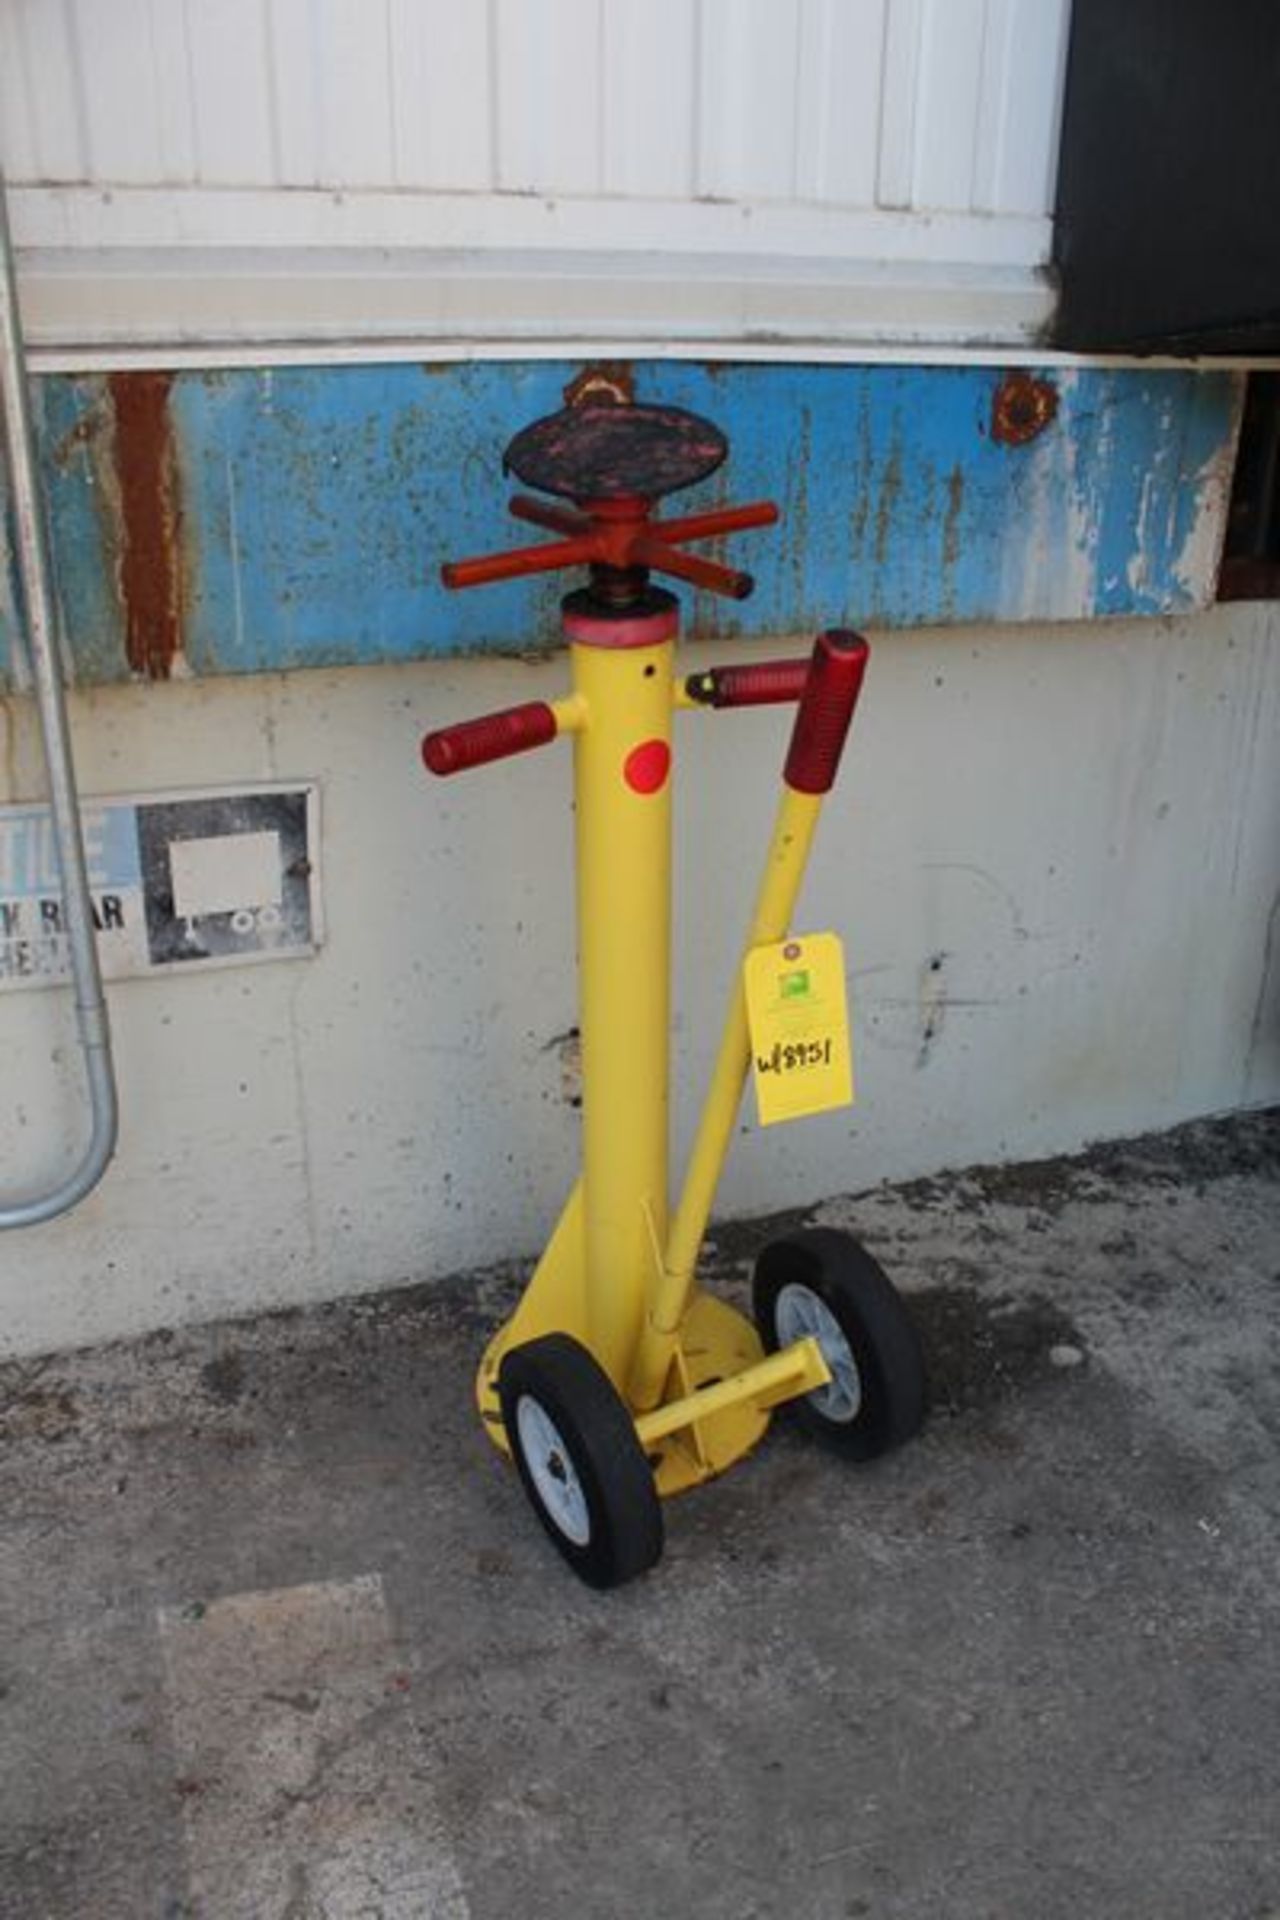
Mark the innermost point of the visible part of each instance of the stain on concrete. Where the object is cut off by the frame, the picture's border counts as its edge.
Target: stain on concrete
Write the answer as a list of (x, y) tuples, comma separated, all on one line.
[(933, 1005), (223, 1377), (1185, 1158), (981, 1351), (567, 1046), (737, 1243), (46, 1414)]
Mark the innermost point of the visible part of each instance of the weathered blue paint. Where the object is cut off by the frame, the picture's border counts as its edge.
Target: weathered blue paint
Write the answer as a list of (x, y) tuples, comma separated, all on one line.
[(315, 504), (74, 438)]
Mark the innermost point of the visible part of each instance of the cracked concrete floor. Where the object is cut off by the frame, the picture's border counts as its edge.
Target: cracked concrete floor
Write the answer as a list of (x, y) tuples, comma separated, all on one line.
[(279, 1639)]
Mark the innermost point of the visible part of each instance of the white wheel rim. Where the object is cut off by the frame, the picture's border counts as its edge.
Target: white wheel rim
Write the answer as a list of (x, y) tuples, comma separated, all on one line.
[(551, 1470), (798, 1312)]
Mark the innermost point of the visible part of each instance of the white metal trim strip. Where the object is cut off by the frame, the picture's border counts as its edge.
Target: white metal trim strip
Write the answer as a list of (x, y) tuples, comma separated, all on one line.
[(200, 217), (83, 304)]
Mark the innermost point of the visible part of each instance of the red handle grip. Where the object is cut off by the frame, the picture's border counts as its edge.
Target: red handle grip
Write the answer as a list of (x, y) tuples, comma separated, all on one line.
[(494, 736), (826, 708), (758, 685)]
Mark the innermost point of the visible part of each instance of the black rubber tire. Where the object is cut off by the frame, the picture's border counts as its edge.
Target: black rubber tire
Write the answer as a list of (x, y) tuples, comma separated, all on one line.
[(599, 1438), (874, 1321)]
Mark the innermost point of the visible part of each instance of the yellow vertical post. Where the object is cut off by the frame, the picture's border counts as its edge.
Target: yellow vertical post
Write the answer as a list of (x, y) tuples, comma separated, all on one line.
[(622, 790)]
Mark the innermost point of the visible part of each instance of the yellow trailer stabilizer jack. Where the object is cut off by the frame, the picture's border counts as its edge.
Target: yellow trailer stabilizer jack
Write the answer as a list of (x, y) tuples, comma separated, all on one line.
[(618, 1379)]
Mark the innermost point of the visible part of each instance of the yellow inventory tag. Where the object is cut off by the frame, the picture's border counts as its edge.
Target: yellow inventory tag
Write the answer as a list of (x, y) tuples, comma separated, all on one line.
[(799, 1023)]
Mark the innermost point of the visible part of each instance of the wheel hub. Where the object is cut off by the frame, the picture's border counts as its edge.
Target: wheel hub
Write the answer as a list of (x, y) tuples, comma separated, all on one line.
[(547, 1457), (800, 1311)]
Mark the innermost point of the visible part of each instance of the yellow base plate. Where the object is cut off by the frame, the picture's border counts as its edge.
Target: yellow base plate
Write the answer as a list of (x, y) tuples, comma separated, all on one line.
[(716, 1342)]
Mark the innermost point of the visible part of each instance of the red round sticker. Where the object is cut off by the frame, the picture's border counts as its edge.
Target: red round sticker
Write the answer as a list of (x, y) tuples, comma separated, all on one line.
[(646, 767)]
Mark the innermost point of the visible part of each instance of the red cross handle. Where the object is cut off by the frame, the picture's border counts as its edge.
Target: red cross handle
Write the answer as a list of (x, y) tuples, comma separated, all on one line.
[(619, 534)]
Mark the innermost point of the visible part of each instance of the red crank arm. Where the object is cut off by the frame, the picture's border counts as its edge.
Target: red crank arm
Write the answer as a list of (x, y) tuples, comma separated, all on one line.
[(514, 565), (692, 567), (543, 513), (700, 526)]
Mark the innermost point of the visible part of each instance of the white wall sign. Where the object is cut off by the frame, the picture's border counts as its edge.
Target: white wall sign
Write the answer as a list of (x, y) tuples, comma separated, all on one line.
[(211, 878)]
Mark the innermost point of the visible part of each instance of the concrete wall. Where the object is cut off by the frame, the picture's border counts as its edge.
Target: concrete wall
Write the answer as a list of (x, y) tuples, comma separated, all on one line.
[(1054, 858)]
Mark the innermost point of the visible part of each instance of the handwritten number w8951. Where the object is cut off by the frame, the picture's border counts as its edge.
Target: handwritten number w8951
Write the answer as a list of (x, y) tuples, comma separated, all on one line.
[(793, 1057)]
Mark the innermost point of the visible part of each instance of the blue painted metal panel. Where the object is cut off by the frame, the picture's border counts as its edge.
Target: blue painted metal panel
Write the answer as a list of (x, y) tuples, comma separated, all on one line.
[(68, 417), (73, 425), (312, 506)]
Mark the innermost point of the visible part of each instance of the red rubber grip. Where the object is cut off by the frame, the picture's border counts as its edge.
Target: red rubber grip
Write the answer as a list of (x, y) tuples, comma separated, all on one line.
[(758, 685), (494, 736), (826, 708)]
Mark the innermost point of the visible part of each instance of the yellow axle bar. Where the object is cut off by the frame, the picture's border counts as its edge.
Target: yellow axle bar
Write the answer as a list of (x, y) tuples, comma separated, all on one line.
[(782, 1376)]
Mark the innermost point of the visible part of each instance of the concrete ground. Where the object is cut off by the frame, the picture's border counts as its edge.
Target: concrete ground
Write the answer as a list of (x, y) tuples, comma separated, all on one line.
[(280, 1640)]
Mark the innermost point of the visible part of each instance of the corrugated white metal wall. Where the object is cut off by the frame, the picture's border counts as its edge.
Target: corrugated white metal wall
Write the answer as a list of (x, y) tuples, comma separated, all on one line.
[(853, 103), (842, 130)]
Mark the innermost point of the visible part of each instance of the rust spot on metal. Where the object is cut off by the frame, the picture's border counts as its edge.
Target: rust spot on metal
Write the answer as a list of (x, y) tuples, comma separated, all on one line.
[(611, 383), (85, 430), (150, 566), (951, 525), (1021, 408), (886, 507)]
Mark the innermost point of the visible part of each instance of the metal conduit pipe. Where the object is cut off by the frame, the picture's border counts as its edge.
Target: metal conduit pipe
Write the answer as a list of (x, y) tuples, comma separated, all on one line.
[(33, 572)]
